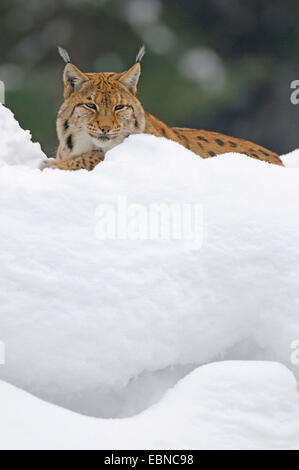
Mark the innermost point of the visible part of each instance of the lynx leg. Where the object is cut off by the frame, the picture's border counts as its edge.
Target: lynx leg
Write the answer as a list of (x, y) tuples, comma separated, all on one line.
[(86, 161)]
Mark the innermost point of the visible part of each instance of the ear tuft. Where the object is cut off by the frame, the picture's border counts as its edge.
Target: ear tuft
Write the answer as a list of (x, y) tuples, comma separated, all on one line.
[(140, 54), (64, 54)]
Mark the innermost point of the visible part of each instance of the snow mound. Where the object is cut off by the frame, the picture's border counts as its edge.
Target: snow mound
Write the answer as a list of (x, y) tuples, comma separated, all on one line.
[(291, 159), (228, 405), (16, 147), (105, 326)]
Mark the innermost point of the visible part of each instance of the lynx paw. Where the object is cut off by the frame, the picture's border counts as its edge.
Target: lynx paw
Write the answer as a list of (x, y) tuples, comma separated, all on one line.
[(47, 164)]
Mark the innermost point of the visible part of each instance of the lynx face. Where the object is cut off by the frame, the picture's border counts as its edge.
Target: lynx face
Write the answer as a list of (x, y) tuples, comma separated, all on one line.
[(100, 110)]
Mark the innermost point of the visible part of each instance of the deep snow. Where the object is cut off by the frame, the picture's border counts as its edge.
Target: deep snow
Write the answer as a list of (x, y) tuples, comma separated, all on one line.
[(105, 327), (225, 405)]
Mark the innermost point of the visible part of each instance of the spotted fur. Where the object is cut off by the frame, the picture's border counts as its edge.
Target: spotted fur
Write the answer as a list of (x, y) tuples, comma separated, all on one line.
[(100, 110)]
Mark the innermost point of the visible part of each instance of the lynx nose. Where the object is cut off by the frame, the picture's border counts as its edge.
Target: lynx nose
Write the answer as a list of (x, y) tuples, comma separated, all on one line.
[(105, 129)]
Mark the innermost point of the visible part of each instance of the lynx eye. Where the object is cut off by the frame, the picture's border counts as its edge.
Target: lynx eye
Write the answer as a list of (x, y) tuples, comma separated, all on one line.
[(118, 107), (90, 106)]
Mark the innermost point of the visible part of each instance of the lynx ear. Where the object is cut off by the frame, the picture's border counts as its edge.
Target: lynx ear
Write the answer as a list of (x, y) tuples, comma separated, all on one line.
[(131, 77), (73, 78)]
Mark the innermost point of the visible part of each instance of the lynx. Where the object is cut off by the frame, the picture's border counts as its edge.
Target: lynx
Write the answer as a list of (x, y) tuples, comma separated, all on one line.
[(101, 109)]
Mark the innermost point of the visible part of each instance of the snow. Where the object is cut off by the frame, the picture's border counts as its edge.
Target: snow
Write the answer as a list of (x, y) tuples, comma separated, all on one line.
[(227, 405), (291, 159), (105, 326), (16, 147)]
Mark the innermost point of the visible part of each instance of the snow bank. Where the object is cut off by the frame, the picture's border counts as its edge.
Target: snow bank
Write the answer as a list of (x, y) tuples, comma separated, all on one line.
[(16, 147), (106, 326), (228, 405), (291, 159)]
